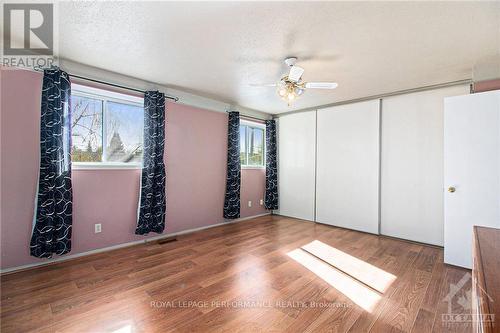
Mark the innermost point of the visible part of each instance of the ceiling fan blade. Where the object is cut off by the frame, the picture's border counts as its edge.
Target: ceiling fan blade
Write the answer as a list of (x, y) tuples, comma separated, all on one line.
[(295, 73), (262, 84), (321, 85)]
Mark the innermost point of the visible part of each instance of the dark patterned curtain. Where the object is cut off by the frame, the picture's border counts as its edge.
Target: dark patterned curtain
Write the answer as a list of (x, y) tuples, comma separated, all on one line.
[(152, 201), (54, 201), (233, 178), (271, 198)]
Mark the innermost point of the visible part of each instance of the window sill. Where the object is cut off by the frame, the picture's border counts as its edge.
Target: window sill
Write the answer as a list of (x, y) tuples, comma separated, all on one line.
[(250, 167), (105, 166)]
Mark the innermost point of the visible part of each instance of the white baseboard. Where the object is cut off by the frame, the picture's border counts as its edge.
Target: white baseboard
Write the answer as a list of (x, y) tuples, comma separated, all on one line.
[(119, 246)]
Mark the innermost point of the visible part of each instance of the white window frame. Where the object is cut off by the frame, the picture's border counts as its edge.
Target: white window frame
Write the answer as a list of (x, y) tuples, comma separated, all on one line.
[(105, 96), (251, 124)]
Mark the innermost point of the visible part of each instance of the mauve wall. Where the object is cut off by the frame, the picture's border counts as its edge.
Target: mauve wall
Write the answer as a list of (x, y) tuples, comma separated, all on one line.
[(195, 161), (488, 85)]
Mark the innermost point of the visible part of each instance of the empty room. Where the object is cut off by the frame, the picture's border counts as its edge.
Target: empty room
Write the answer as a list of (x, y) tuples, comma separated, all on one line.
[(253, 166)]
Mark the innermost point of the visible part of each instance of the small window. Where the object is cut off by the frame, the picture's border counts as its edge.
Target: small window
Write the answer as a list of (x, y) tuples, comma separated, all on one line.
[(252, 143), (107, 128)]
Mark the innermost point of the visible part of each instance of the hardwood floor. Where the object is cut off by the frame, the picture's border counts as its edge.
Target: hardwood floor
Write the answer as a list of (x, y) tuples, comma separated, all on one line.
[(251, 276)]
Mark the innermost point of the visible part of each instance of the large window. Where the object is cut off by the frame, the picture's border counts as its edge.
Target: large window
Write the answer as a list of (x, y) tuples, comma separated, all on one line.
[(252, 143), (107, 128)]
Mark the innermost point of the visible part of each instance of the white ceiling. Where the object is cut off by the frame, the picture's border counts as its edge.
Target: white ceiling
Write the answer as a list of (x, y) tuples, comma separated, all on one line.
[(216, 49)]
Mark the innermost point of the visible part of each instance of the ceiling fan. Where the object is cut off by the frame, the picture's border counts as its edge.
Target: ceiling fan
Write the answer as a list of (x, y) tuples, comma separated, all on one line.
[(292, 86)]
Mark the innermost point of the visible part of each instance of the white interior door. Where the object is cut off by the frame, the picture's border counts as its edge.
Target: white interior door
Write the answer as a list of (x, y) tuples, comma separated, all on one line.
[(472, 168), (348, 166), (412, 165), (296, 164)]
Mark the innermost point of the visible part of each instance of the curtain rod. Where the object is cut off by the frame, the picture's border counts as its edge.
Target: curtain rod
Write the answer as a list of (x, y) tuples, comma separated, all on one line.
[(242, 115), (174, 98)]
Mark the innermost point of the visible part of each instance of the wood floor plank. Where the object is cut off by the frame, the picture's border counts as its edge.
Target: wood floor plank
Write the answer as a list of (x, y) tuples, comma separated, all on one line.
[(433, 294), (424, 322), (400, 313), (398, 266), (337, 318), (246, 274), (454, 276)]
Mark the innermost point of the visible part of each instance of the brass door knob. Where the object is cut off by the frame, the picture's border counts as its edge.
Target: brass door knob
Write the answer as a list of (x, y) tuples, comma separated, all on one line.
[(451, 189)]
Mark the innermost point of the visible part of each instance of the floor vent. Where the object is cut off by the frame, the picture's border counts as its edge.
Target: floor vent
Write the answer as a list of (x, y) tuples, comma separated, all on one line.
[(167, 240)]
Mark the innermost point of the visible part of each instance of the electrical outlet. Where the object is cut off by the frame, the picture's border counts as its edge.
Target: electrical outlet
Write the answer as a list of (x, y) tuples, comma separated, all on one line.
[(261, 202), (249, 204), (97, 228)]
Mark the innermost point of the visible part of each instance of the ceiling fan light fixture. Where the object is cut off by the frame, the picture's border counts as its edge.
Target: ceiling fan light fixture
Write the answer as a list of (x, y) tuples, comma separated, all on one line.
[(289, 91), (291, 85), (299, 91)]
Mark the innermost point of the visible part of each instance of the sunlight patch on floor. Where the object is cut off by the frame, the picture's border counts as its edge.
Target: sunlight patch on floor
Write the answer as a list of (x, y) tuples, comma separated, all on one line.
[(124, 329), (370, 275), (357, 292)]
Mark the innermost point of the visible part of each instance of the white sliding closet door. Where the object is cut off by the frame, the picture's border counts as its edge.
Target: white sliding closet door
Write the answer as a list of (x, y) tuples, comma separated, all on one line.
[(348, 166), (296, 163), (412, 165)]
